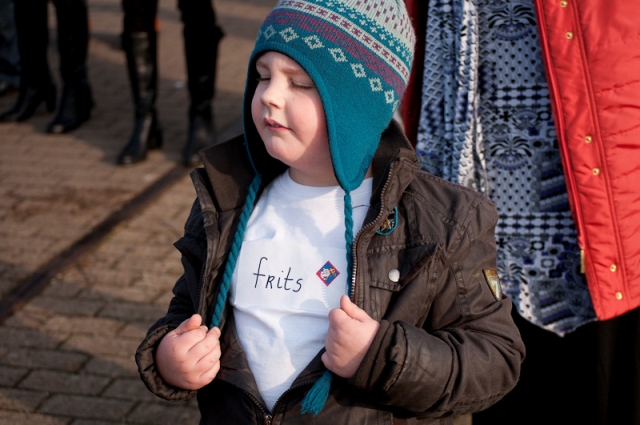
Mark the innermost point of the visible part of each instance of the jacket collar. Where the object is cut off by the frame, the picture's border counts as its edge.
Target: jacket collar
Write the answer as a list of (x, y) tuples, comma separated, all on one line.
[(394, 150), (229, 180)]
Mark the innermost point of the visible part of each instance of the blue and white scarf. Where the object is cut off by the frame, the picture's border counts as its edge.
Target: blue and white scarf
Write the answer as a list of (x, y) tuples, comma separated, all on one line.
[(486, 123)]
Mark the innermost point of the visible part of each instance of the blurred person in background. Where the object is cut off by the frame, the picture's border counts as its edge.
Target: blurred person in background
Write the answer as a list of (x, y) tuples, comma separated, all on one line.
[(140, 42), (36, 84)]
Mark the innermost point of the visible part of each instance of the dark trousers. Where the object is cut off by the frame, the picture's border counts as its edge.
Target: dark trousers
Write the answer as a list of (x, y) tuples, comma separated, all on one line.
[(589, 377), (33, 39), (9, 57), (201, 37)]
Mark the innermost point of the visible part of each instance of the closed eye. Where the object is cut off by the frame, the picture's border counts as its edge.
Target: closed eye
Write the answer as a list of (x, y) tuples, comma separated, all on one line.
[(301, 86)]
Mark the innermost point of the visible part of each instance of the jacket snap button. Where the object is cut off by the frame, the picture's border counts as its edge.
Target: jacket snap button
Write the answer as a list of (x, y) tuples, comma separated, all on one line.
[(596, 171), (588, 139), (569, 35), (613, 267), (618, 295), (563, 3), (394, 275)]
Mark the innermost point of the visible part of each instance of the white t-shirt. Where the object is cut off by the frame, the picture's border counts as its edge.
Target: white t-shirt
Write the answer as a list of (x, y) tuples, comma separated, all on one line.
[(291, 271)]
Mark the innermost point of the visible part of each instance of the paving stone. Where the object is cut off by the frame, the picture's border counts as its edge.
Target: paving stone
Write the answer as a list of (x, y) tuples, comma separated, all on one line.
[(93, 422), (84, 325), (28, 418), (64, 382), (62, 289), (68, 306), (97, 345), (27, 338), (129, 389), (69, 361), (132, 312), (164, 414), (21, 400), (10, 376), (86, 407), (30, 316), (113, 366)]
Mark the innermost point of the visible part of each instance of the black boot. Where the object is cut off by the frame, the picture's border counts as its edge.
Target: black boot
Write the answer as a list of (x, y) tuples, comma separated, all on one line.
[(29, 98), (73, 43), (201, 135), (36, 85), (201, 38), (74, 109), (140, 49)]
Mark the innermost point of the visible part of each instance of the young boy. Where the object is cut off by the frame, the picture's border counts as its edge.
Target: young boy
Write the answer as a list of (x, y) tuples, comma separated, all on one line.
[(327, 279)]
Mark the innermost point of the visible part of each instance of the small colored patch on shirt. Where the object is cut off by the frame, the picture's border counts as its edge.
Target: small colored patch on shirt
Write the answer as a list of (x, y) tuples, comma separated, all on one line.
[(493, 280), (328, 273)]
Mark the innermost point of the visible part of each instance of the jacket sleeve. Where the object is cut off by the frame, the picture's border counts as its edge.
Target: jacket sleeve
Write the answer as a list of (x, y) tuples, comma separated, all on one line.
[(183, 305), (466, 353)]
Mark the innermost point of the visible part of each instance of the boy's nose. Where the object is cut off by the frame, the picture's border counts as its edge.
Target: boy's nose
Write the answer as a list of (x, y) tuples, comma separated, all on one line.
[(272, 94)]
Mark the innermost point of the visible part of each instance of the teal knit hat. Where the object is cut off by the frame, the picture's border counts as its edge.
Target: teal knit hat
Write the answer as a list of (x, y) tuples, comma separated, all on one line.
[(359, 55)]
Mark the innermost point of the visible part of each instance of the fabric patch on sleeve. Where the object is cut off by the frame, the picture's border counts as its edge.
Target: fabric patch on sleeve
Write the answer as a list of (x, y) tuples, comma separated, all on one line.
[(493, 280)]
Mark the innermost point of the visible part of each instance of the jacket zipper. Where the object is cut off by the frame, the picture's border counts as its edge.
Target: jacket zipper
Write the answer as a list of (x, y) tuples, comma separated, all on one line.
[(266, 415), (354, 257)]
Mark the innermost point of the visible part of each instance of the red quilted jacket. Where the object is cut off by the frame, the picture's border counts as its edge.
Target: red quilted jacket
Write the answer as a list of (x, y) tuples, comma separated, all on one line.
[(591, 50)]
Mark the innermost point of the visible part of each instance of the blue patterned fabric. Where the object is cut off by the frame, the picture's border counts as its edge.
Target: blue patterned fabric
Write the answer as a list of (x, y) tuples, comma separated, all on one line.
[(486, 123)]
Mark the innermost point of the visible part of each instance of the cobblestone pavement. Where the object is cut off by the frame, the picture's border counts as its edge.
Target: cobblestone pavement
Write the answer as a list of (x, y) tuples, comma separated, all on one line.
[(67, 343)]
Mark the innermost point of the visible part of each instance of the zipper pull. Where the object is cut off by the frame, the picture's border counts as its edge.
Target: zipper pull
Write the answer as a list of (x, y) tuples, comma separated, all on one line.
[(582, 265), (267, 419)]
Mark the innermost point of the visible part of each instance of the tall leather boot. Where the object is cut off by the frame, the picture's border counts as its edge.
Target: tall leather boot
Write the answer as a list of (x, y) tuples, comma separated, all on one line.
[(36, 85), (141, 53), (30, 96), (201, 39), (73, 42)]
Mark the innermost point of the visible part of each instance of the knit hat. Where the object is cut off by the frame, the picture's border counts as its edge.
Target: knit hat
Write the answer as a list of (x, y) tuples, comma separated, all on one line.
[(359, 55)]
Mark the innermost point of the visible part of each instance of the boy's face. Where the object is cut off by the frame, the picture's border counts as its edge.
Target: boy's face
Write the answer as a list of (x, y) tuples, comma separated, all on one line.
[(288, 113)]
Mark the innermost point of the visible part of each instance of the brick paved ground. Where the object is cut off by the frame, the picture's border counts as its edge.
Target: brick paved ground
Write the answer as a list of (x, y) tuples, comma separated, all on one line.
[(66, 356)]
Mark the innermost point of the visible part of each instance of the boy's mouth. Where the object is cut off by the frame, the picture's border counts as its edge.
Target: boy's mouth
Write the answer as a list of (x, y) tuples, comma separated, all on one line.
[(273, 124)]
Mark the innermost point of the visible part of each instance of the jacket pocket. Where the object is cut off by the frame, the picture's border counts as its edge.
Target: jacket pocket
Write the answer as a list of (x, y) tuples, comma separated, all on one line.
[(392, 272)]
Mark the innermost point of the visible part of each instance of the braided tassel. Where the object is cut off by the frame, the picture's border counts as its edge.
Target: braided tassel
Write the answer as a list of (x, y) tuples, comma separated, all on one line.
[(317, 396), (235, 250)]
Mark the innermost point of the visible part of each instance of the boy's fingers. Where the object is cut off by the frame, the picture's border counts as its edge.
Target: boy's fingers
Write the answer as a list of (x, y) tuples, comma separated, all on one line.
[(215, 331), (194, 322), (352, 310), (209, 343)]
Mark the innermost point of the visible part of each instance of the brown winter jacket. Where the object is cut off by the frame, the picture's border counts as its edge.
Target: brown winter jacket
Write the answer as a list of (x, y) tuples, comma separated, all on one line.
[(446, 346)]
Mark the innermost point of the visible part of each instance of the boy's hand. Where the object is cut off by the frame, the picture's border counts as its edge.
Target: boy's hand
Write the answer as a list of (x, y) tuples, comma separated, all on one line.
[(189, 356), (351, 332)]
